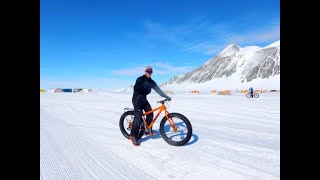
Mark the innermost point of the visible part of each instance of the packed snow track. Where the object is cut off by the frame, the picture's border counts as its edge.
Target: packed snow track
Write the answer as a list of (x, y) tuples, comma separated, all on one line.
[(234, 137)]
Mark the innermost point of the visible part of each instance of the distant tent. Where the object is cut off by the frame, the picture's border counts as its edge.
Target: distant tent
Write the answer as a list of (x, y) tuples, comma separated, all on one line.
[(86, 90), (244, 91), (168, 92), (273, 90), (77, 90), (213, 92), (195, 92), (224, 92), (67, 90), (42, 90), (57, 90)]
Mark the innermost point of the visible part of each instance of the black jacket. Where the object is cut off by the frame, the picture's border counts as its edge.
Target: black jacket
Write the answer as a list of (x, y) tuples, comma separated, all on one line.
[(143, 87)]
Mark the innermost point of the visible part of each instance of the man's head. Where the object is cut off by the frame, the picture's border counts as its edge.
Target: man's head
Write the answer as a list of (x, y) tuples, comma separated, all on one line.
[(148, 71)]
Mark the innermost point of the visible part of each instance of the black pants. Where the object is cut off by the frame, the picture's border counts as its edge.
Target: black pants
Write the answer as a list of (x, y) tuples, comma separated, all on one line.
[(140, 103), (251, 94)]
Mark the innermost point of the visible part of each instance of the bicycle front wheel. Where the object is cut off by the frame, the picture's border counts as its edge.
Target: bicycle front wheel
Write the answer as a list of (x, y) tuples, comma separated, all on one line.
[(256, 95), (183, 133)]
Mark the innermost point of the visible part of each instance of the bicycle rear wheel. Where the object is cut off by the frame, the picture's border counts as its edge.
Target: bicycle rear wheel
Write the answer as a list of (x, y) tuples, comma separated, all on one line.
[(125, 124), (182, 135), (248, 95)]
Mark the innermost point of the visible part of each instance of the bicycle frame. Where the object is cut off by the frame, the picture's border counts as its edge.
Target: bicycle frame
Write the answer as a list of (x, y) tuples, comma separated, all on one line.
[(160, 108)]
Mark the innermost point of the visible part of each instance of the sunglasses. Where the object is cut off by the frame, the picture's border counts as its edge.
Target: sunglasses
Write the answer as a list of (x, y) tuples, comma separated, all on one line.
[(149, 71)]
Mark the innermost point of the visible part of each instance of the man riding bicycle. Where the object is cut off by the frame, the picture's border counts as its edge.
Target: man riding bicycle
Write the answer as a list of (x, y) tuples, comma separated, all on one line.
[(142, 88), (251, 91)]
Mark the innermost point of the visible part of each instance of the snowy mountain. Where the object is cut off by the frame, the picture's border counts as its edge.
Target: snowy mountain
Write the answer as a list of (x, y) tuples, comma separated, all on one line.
[(234, 67), (127, 89)]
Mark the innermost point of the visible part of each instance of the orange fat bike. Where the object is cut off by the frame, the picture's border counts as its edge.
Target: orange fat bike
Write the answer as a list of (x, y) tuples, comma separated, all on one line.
[(175, 128)]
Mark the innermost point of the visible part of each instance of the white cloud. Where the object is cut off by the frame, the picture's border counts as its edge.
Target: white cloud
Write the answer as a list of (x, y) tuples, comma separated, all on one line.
[(164, 68), (129, 71), (157, 31), (94, 83), (158, 68), (262, 36), (202, 36), (177, 34), (205, 48)]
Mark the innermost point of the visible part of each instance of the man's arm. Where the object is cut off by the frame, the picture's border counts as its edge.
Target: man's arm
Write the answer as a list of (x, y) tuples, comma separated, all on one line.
[(159, 91)]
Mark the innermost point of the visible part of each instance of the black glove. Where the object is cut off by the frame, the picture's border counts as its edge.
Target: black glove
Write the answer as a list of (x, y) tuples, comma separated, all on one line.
[(168, 98)]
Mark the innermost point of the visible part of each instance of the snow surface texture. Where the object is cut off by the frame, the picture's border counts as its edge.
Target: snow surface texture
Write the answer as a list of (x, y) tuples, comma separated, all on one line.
[(234, 137), (234, 68)]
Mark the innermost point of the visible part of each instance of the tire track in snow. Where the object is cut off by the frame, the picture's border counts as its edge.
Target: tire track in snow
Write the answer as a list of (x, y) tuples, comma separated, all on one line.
[(228, 147), (239, 115), (248, 158), (84, 153), (52, 163)]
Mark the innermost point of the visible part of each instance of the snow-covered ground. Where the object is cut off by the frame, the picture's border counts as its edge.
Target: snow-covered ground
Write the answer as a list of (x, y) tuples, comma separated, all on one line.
[(233, 138)]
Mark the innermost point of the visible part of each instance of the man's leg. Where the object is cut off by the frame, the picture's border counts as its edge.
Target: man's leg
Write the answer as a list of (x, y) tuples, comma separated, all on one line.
[(147, 108), (149, 117), (138, 111), (136, 122)]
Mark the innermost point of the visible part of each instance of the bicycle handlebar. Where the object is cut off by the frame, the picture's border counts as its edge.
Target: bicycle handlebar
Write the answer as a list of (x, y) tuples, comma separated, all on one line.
[(162, 101)]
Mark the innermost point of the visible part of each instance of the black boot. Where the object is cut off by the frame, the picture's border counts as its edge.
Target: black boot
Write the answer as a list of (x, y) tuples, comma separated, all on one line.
[(134, 141)]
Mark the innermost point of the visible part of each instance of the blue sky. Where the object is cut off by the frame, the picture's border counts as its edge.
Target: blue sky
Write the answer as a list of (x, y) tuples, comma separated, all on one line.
[(107, 43)]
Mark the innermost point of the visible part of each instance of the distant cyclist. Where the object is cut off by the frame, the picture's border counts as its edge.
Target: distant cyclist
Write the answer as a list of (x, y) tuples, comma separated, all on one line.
[(251, 91), (142, 88)]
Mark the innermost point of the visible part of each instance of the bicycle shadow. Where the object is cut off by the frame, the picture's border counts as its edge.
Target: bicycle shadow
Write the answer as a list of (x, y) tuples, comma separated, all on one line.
[(194, 137), (145, 138)]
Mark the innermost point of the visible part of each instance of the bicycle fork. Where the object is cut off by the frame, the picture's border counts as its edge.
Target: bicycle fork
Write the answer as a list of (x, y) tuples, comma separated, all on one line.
[(172, 124)]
